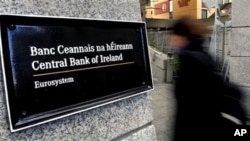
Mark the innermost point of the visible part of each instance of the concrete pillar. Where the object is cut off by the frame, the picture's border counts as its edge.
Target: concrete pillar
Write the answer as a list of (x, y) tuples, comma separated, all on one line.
[(239, 50), (158, 63), (170, 65), (129, 119)]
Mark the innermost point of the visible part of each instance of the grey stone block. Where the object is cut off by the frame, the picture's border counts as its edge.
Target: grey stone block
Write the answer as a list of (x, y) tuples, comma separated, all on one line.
[(98, 9), (240, 13), (239, 70), (104, 123), (159, 75), (158, 59), (158, 63), (240, 42), (146, 134)]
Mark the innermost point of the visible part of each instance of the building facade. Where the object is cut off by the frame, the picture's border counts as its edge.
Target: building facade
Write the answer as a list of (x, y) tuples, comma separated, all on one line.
[(174, 9), (158, 9)]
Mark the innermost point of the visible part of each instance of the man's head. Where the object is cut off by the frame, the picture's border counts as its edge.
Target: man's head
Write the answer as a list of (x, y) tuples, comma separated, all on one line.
[(186, 30)]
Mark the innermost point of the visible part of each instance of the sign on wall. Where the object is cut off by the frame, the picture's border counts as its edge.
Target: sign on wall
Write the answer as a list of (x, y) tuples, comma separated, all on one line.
[(162, 8), (55, 67)]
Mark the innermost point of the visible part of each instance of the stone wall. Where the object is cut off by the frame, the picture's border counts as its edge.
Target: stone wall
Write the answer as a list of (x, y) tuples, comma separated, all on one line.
[(240, 48), (129, 119)]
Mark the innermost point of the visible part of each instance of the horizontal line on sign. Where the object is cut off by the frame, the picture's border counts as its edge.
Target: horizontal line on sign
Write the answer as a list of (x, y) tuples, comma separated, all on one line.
[(82, 69)]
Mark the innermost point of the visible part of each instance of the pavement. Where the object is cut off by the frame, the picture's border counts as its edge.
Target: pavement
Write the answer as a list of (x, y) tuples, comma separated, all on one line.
[(163, 103)]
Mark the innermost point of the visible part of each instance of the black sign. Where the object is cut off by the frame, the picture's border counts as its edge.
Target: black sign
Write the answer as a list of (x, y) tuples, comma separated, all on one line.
[(55, 67)]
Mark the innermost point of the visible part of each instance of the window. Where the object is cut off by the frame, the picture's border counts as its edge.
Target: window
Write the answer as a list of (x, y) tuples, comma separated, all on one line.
[(226, 1), (148, 3), (204, 14), (220, 2)]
